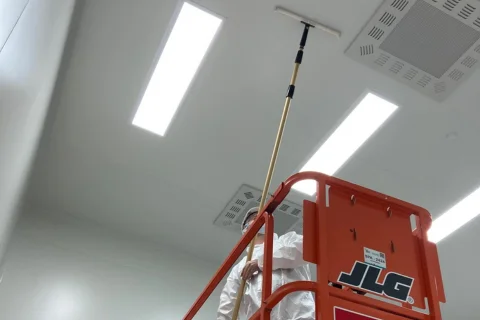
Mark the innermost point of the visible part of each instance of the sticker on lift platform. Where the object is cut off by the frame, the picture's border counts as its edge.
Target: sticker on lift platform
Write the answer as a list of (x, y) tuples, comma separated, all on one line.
[(344, 314), (375, 258)]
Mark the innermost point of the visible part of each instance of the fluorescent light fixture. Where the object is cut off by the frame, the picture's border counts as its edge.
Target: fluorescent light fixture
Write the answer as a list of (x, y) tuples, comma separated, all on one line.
[(186, 46), (456, 217), (352, 133)]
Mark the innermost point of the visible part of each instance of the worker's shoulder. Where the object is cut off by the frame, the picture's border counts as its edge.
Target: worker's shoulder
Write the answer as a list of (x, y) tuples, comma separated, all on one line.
[(291, 236)]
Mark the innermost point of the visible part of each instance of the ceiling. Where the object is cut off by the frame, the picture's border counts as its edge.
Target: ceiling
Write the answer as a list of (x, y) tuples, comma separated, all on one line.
[(94, 164)]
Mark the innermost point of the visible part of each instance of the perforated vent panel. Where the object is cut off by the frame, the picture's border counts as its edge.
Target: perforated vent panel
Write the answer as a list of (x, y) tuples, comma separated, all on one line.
[(430, 39), (288, 216), (430, 45)]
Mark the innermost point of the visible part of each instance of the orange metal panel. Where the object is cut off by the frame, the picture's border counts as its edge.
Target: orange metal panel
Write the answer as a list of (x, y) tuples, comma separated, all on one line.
[(354, 226)]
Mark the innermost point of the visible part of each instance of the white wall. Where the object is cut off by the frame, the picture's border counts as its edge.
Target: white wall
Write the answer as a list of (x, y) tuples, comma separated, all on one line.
[(62, 268), (32, 37)]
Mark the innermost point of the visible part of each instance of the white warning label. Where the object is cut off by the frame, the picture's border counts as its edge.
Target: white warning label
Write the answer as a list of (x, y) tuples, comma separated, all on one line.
[(375, 258)]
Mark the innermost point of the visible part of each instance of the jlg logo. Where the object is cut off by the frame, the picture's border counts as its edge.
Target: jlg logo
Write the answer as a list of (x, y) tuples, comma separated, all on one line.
[(364, 276)]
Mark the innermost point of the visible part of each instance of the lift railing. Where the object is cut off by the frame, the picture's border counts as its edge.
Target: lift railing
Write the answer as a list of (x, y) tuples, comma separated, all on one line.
[(361, 241)]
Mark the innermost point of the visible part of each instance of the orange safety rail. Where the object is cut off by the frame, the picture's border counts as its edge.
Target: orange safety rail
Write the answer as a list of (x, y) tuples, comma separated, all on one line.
[(362, 242)]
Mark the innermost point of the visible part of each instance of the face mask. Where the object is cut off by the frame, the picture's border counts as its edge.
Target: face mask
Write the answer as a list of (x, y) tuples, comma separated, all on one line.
[(261, 231)]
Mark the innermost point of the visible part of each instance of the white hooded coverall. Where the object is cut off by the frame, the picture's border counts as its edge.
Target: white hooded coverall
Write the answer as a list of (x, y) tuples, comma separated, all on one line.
[(288, 266)]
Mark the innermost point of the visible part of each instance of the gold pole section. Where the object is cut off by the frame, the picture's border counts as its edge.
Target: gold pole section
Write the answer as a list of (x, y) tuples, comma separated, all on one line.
[(273, 160)]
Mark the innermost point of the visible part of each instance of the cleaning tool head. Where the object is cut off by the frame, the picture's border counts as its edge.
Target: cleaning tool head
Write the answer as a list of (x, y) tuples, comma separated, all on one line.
[(308, 21)]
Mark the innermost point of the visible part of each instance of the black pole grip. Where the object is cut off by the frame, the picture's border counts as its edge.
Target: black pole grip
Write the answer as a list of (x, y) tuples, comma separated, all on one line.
[(303, 42), (299, 57), (290, 91)]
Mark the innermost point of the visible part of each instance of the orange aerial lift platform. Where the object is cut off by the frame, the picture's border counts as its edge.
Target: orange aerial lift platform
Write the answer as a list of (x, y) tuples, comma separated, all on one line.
[(371, 263)]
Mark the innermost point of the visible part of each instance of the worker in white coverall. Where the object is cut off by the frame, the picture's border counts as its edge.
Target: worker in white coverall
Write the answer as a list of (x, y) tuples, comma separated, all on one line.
[(288, 266)]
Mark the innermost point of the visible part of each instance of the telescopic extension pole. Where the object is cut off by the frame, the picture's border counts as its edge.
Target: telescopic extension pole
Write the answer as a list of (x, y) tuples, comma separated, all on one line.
[(273, 160)]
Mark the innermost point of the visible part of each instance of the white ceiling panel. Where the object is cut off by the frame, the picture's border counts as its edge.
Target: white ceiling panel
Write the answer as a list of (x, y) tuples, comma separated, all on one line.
[(93, 163)]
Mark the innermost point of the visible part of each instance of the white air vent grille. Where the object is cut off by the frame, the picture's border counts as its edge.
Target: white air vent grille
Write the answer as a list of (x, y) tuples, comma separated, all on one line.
[(376, 33), (397, 67), (365, 50), (430, 45), (456, 75), (424, 81), (450, 4), (296, 212), (235, 209), (410, 75), (387, 19), (469, 62), (248, 195), (382, 59), (240, 202), (466, 11), (477, 22), (288, 216), (400, 4)]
